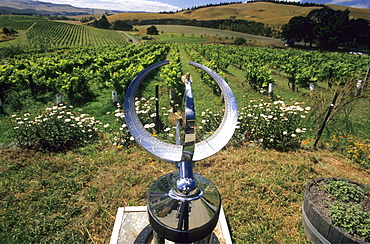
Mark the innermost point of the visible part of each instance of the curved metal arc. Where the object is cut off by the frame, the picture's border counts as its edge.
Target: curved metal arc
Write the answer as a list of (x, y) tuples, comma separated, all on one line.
[(164, 151), (225, 131), (174, 153)]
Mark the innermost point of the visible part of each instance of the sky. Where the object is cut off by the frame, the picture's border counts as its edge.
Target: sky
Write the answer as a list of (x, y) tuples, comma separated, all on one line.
[(173, 5)]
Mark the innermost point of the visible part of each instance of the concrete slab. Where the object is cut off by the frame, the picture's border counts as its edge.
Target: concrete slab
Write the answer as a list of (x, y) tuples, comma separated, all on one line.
[(131, 220)]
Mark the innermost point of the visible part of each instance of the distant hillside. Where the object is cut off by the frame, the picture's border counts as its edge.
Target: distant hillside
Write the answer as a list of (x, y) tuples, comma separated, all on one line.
[(43, 8), (265, 12), (43, 33)]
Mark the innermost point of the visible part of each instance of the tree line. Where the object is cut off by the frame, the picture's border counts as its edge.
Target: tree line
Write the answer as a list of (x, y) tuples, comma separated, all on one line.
[(201, 6), (328, 29), (244, 26), (305, 4), (103, 23)]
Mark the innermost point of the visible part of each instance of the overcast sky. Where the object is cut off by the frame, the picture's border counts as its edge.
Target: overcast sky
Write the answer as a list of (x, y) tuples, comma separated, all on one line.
[(173, 5)]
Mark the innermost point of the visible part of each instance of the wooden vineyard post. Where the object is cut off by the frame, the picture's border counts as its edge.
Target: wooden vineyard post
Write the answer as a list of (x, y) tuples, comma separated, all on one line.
[(330, 110)]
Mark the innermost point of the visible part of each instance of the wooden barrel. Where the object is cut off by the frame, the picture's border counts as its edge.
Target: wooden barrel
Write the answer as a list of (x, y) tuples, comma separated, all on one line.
[(317, 226)]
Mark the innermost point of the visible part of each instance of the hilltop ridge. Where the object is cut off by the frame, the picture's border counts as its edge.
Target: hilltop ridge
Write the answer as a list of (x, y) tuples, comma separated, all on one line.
[(264, 12), (45, 8)]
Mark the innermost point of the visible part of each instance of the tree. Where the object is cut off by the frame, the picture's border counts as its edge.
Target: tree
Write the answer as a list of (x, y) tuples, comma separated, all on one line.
[(102, 23), (328, 28), (360, 32), (87, 19), (299, 28), (152, 30), (121, 25), (331, 27), (6, 31), (240, 41)]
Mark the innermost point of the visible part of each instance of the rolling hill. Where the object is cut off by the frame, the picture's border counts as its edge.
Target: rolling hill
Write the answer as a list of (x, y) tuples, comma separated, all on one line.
[(44, 8), (265, 12)]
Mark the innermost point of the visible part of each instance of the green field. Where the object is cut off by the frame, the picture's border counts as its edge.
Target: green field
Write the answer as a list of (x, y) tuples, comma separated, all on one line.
[(72, 195), (210, 33)]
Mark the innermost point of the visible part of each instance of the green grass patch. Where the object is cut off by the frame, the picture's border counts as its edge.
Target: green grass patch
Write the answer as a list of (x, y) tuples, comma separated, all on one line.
[(6, 133), (180, 37), (20, 39)]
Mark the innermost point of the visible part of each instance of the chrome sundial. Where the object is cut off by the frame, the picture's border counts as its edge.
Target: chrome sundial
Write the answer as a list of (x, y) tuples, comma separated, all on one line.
[(183, 206)]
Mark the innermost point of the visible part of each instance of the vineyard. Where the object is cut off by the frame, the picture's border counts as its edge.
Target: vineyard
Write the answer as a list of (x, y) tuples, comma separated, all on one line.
[(85, 65), (44, 32), (82, 73)]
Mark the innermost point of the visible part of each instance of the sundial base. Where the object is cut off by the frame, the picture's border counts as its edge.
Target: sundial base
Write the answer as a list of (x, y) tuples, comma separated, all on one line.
[(130, 221)]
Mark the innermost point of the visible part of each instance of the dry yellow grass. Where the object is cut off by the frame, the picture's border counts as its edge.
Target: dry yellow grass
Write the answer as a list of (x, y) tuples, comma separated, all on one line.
[(269, 13)]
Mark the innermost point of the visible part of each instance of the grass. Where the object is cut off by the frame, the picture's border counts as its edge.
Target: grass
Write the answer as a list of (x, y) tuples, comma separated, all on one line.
[(175, 37), (203, 95), (213, 34), (73, 197), (6, 133), (20, 39)]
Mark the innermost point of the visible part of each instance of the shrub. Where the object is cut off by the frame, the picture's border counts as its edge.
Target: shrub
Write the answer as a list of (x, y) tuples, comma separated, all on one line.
[(152, 30), (345, 191), (145, 109), (240, 41), (338, 142), (351, 218), (55, 129), (359, 152), (209, 122), (347, 211), (119, 133), (274, 125)]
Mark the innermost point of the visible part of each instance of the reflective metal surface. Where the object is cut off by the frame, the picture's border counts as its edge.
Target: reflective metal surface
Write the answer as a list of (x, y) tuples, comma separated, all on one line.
[(164, 151), (170, 152), (176, 216), (225, 131), (147, 236), (190, 135), (183, 206)]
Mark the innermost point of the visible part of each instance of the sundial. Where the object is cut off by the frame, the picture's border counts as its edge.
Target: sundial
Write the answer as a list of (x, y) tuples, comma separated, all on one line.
[(183, 207)]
